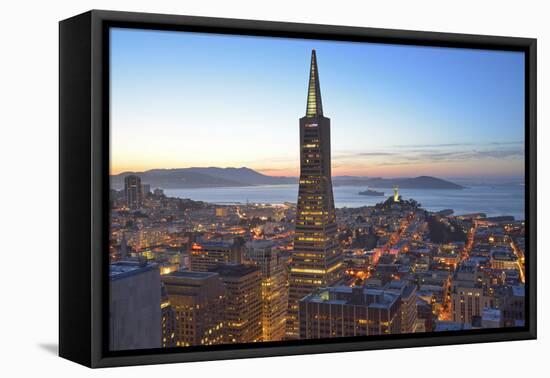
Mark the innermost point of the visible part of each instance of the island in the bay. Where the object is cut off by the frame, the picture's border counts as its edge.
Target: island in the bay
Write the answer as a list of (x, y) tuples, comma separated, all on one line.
[(371, 193)]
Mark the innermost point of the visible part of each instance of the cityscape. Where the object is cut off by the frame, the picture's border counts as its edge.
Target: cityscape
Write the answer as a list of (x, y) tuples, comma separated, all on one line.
[(186, 272)]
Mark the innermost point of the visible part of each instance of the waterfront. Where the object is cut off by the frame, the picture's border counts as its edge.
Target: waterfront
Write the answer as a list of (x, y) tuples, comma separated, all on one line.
[(493, 200)]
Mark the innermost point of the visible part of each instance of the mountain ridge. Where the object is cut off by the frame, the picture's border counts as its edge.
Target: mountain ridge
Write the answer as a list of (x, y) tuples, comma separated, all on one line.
[(211, 177), (202, 177)]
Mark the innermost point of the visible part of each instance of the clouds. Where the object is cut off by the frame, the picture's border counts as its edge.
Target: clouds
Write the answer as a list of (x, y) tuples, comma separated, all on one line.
[(360, 154), (431, 145), (459, 159), (465, 155), (476, 153), (376, 154)]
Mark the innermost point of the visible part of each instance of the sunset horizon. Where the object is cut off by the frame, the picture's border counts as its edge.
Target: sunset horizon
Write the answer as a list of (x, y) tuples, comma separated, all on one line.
[(336, 173), (395, 110)]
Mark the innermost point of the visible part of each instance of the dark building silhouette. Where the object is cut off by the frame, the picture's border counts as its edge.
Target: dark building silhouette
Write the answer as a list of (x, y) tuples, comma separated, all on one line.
[(124, 248), (133, 192), (316, 258), (135, 306)]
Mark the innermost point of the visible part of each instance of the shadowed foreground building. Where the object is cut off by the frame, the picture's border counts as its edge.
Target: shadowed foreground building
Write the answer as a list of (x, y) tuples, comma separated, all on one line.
[(513, 308), (168, 319), (316, 258), (407, 293), (243, 305), (134, 311), (345, 311), (197, 300), (274, 287)]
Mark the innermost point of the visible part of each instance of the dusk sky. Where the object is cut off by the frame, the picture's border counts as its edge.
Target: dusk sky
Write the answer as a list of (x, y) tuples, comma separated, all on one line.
[(195, 100)]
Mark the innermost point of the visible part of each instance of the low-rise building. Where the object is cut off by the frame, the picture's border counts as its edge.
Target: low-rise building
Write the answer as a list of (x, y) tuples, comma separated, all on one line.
[(207, 255), (349, 311)]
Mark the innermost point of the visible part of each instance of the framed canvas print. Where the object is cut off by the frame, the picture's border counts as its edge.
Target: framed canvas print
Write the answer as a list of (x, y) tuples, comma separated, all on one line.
[(233, 188)]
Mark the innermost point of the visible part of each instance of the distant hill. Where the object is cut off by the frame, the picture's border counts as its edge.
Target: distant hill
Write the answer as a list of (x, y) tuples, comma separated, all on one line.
[(244, 175), (212, 177), (421, 182), (208, 177)]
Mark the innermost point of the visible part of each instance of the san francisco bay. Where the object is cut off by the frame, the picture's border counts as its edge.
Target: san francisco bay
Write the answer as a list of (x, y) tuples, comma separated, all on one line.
[(493, 200)]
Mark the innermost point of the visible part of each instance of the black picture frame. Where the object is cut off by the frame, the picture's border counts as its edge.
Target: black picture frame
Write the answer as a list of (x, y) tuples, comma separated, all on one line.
[(84, 189)]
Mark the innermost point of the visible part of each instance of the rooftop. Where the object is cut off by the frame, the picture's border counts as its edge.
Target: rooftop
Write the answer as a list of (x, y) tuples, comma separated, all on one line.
[(518, 290), (375, 298), (191, 275), (213, 244), (397, 284), (234, 270), (260, 243), (402, 286), (451, 326), (491, 314), (124, 269), (503, 255)]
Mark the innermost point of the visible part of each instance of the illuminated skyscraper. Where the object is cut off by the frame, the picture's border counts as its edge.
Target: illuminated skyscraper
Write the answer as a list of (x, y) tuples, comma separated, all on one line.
[(198, 302), (133, 192), (168, 318), (243, 307), (316, 259), (263, 254)]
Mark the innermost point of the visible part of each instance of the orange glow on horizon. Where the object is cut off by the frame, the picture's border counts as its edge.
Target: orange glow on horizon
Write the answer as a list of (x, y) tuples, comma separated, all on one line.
[(389, 169)]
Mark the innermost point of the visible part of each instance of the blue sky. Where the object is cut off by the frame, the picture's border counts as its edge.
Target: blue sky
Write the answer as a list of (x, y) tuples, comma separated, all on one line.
[(183, 99)]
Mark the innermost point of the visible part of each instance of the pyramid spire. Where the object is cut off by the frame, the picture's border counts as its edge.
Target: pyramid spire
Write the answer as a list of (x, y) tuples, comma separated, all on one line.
[(314, 105)]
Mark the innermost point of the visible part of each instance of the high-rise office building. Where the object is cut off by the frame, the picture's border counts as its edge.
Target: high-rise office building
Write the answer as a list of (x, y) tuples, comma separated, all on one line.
[(243, 306), (146, 189), (135, 306), (513, 308), (133, 192), (274, 287), (198, 300), (316, 258), (205, 256), (124, 248), (222, 212), (407, 293), (468, 295), (168, 320), (349, 311)]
